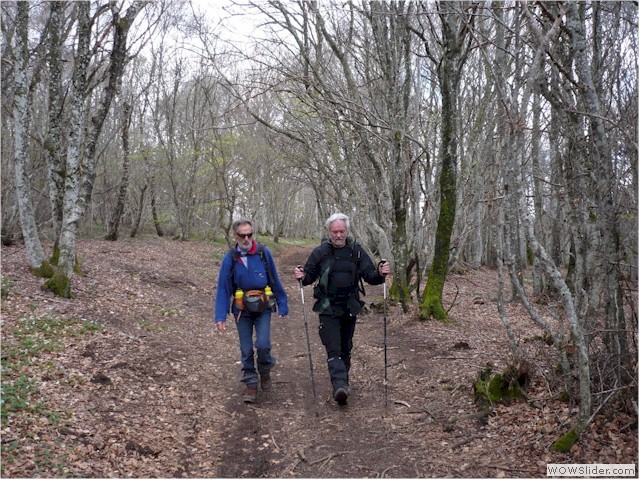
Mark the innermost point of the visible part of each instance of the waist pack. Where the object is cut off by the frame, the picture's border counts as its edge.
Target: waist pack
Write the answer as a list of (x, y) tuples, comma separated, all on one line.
[(255, 301)]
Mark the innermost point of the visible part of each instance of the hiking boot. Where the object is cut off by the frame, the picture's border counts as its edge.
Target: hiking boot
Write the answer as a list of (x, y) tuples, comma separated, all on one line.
[(340, 395), (250, 394), (265, 381)]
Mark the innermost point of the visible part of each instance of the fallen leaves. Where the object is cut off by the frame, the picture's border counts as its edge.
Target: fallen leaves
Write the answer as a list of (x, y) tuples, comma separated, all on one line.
[(152, 393)]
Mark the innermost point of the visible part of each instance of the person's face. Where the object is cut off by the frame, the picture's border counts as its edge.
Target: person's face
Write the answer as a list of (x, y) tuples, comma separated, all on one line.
[(338, 233), (244, 235)]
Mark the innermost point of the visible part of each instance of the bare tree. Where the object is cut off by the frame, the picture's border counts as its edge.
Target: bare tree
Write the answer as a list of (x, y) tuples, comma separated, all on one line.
[(21, 120), (454, 31), (114, 224), (80, 172)]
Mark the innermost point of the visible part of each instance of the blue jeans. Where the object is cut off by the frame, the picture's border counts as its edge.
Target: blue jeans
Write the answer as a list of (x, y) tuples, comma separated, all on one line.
[(246, 324)]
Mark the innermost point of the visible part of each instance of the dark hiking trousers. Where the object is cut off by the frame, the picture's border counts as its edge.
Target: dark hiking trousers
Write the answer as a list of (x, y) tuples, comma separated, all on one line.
[(336, 333)]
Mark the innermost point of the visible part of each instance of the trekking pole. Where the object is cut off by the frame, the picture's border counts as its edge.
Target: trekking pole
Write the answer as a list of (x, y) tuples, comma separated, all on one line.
[(384, 293), (306, 329)]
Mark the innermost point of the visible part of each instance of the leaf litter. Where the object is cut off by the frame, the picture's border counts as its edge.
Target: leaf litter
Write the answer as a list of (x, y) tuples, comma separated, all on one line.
[(155, 391)]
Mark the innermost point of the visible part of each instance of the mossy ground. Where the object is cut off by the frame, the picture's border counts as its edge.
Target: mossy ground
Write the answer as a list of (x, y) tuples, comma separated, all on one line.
[(502, 387)]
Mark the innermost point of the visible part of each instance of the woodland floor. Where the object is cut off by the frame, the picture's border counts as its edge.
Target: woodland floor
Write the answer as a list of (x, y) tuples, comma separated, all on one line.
[(155, 391)]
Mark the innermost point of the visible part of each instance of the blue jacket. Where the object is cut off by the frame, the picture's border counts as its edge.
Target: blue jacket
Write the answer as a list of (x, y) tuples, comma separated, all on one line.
[(254, 277)]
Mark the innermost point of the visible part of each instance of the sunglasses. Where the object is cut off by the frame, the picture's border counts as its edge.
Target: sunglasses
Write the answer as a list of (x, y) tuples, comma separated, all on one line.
[(245, 235)]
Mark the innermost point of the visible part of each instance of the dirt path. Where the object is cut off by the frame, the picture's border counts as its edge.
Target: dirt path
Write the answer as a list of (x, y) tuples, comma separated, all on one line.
[(157, 394), (297, 436)]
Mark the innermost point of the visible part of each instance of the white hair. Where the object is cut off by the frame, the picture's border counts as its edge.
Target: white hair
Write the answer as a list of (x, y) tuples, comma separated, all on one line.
[(335, 217)]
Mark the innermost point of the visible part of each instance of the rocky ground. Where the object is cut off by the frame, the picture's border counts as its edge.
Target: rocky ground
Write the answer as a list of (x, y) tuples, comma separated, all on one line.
[(130, 379)]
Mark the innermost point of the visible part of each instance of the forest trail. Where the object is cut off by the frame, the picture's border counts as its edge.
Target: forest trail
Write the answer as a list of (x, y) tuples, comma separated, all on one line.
[(156, 392)]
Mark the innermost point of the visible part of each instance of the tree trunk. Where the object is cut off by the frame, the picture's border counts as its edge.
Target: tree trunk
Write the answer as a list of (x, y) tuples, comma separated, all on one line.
[(21, 122), (578, 192), (154, 210), (81, 167), (114, 224), (54, 140), (538, 273), (449, 72), (136, 224), (605, 193), (60, 284)]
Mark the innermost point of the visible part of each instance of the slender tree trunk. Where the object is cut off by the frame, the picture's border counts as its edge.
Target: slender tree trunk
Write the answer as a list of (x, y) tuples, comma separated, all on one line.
[(605, 201), (21, 123), (559, 284), (114, 224), (538, 278), (558, 224), (151, 176), (138, 219), (10, 219), (573, 134), (431, 305), (499, 230)]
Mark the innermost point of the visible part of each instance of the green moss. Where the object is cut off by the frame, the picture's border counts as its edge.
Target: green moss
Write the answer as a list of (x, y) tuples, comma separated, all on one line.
[(7, 286), (431, 306), (154, 327), (530, 255), (564, 396), (394, 292), (500, 387), (59, 284), (495, 388), (46, 270), (55, 256), (55, 259), (565, 442)]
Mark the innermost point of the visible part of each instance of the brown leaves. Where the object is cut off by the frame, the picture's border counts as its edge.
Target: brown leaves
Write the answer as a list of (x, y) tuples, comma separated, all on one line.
[(154, 392)]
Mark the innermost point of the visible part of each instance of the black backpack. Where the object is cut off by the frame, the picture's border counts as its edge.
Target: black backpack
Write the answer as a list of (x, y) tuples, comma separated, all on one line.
[(327, 260)]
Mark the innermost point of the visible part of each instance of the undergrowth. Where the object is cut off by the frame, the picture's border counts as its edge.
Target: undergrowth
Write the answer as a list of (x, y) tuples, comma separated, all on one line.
[(25, 346)]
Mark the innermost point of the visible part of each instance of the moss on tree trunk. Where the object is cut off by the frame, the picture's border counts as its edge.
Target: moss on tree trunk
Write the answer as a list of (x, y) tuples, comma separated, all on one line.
[(431, 305), (396, 293), (59, 284), (449, 79), (565, 442), (44, 271)]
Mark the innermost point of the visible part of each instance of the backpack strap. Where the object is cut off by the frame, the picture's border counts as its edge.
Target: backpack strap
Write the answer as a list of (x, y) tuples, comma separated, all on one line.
[(234, 258), (327, 259), (358, 253)]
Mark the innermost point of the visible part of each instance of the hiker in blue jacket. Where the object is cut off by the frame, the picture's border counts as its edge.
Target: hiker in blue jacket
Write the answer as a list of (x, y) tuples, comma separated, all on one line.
[(248, 275)]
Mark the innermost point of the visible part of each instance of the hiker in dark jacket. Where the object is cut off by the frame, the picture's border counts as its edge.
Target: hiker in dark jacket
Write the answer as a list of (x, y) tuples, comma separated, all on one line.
[(339, 263), (248, 273)]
